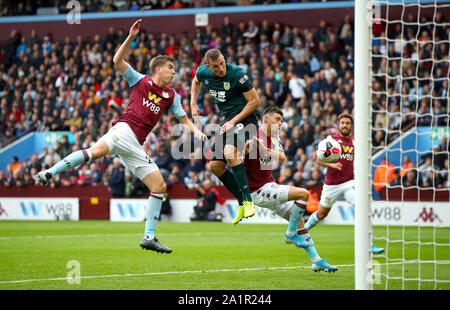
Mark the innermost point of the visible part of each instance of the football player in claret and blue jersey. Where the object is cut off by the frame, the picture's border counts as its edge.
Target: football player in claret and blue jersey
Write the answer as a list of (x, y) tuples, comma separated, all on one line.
[(150, 97)]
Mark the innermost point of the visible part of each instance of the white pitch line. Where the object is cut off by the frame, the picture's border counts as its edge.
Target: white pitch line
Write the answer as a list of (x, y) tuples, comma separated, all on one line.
[(162, 273), (197, 271), (129, 235)]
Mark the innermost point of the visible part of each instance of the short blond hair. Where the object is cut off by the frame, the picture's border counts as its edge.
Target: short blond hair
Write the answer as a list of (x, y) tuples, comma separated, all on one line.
[(159, 60)]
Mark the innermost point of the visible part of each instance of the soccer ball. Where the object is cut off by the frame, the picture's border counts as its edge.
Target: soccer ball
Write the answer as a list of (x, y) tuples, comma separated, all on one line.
[(328, 150)]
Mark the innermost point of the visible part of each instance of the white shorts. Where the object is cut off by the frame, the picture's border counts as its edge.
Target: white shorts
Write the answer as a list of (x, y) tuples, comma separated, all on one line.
[(274, 197), (330, 193), (122, 141)]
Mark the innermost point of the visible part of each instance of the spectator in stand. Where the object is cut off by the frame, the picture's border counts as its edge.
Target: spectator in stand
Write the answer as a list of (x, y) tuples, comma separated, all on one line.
[(2, 178), (51, 158), (411, 179), (87, 179), (227, 28), (147, 5), (384, 174), (117, 178), (441, 153), (396, 179), (34, 163), (110, 6), (297, 87), (177, 4), (134, 6), (15, 165), (434, 179), (96, 174), (407, 165), (315, 179), (16, 179), (63, 147)]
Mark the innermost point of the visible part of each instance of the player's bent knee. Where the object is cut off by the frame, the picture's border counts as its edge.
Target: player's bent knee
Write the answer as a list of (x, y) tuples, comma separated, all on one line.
[(158, 188), (296, 193), (230, 153), (303, 195), (217, 167), (99, 150)]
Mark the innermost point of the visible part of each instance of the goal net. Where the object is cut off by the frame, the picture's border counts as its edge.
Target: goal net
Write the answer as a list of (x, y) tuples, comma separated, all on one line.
[(409, 143)]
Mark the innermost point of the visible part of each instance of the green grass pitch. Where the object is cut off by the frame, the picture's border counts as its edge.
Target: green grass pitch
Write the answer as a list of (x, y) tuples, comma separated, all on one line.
[(206, 256)]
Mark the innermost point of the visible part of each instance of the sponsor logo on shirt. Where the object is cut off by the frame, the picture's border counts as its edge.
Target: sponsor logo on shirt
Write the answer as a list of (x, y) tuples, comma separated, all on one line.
[(243, 79), (155, 98), (151, 105), (347, 149), (219, 95)]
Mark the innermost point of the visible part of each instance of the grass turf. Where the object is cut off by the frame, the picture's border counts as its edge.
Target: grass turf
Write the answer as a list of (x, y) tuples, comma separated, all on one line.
[(206, 256)]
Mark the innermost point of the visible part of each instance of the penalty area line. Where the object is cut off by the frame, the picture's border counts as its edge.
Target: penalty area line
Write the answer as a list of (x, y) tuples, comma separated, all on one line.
[(161, 273)]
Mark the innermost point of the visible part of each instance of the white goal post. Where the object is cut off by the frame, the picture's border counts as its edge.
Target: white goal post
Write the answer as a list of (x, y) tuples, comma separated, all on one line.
[(401, 111), (362, 119)]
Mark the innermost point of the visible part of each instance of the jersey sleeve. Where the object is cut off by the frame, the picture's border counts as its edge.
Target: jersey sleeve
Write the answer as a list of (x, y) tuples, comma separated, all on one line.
[(176, 107), (200, 73), (132, 76), (244, 82)]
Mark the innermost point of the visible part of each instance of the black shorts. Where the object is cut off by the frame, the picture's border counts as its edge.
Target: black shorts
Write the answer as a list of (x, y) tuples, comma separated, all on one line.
[(237, 136)]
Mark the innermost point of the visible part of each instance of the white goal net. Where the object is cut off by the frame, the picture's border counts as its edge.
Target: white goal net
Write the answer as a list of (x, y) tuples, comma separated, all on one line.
[(410, 134)]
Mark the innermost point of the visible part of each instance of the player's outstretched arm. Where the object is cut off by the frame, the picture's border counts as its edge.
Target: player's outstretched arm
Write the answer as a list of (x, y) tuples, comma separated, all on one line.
[(196, 87), (276, 154), (119, 62), (337, 166), (185, 121)]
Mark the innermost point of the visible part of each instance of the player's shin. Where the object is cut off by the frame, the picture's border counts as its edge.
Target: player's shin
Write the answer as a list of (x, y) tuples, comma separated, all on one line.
[(152, 213), (71, 161), (312, 221), (241, 180), (297, 211), (310, 250), (230, 183)]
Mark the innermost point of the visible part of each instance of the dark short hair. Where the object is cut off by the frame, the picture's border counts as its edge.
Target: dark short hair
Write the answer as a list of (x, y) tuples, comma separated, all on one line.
[(345, 115), (271, 110), (212, 54), (159, 61)]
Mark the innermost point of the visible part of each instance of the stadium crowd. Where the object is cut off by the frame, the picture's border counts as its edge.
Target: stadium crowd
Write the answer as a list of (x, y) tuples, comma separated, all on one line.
[(71, 85)]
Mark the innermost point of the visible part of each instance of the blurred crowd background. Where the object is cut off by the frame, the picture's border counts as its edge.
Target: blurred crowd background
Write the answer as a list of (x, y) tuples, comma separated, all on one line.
[(71, 85)]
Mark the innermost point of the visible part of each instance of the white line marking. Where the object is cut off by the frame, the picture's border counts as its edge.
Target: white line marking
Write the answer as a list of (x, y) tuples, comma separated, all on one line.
[(163, 273), (133, 235), (201, 271)]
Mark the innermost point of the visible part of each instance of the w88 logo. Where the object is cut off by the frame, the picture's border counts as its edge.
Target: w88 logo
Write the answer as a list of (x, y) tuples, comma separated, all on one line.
[(151, 105)]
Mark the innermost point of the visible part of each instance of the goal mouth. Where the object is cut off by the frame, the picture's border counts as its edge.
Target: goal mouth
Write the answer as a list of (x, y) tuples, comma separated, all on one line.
[(409, 150)]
